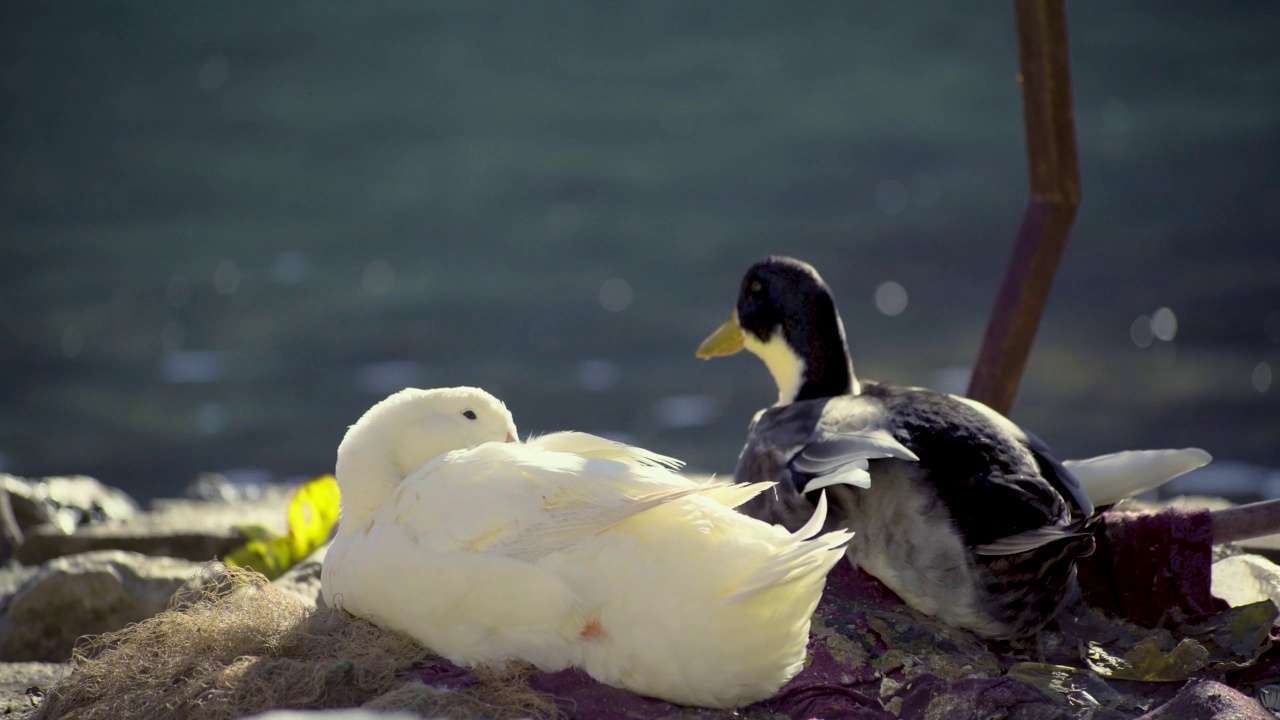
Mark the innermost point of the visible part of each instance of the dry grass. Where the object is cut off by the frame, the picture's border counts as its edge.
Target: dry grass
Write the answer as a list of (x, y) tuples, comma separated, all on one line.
[(231, 644)]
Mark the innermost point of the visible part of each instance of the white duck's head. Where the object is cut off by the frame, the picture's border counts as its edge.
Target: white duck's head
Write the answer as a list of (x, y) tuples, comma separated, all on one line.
[(401, 433)]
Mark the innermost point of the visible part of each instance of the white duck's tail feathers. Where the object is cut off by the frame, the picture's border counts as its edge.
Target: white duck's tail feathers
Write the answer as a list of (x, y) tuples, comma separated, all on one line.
[(731, 495), (598, 448), (805, 556), (811, 558), (1108, 479)]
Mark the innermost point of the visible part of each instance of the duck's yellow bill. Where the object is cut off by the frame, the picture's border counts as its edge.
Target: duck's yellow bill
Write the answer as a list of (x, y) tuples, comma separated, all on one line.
[(726, 340)]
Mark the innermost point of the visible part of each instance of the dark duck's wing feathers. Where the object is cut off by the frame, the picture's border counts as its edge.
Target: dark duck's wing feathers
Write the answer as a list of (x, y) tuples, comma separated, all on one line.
[(1003, 488), (963, 514), (962, 518)]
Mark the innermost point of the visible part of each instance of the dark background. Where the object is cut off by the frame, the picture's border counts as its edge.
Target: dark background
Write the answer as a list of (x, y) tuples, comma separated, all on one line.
[(229, 228)]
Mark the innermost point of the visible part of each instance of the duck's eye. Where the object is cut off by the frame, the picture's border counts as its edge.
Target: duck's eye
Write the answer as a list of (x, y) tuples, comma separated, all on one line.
[(469, 414), (756, 286)]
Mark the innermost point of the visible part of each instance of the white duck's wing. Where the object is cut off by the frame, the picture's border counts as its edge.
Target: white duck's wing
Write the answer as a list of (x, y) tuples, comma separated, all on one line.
[(574, 517), (589, 446), (451, 557), (525, 502), (592, 446)]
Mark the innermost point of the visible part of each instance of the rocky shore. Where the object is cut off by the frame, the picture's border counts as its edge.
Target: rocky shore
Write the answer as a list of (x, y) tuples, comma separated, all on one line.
[(81, 558)]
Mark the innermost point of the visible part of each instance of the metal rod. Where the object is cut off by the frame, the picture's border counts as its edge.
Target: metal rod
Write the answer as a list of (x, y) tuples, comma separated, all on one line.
[(1245, 522), (1044, 57)]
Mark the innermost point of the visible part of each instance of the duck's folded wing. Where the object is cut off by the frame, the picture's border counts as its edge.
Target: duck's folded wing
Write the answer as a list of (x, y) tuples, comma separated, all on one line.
[(1105, 480), (1030, 540), (841, 459), (592, 446), (575, 517), (524, 503), (1059, 476), (822, 442), (1053, 470)]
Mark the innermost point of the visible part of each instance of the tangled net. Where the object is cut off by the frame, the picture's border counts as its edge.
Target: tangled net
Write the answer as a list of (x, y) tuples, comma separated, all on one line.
[(231, 644)]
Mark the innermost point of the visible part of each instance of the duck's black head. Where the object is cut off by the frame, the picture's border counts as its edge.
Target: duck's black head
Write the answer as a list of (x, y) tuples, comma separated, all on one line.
[(786, 316)]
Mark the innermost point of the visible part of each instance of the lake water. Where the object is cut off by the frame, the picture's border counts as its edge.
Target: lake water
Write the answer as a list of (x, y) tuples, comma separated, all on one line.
[(226, 229)]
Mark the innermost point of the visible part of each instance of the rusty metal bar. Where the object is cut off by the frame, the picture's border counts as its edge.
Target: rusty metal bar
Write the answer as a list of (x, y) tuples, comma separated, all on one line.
[(1245, 522), (1045, 78)]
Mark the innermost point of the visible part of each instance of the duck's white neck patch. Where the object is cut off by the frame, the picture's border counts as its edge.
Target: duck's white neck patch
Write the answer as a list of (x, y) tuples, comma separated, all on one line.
[(784, 364)]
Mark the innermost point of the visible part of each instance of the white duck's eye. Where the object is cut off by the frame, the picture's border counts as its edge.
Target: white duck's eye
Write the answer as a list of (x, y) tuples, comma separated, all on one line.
[(469, 414)]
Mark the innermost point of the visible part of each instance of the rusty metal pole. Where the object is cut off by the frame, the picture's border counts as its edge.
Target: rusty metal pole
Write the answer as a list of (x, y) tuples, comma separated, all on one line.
[(1048, 114)]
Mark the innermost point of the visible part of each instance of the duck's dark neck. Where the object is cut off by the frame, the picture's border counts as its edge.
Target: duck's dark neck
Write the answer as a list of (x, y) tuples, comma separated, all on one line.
[(808, 361), (828, 372), (827, 383)]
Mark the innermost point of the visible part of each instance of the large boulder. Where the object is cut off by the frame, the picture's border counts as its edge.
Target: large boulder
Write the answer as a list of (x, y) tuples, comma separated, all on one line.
[(84, 594), (12, 577)]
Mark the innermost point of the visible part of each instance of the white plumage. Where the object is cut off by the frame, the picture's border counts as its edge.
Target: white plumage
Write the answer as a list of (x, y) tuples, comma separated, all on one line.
[(1114, 477), (568, 550)]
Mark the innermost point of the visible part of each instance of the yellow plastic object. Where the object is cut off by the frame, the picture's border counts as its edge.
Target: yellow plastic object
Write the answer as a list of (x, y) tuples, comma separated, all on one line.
[(313, 513)]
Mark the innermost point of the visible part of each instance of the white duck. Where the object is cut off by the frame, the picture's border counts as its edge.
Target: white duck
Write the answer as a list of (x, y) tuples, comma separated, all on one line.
[(568, 550)]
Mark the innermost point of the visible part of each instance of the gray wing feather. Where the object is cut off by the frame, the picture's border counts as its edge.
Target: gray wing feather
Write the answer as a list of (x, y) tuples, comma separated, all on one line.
[(836, 451), (1027, 541)]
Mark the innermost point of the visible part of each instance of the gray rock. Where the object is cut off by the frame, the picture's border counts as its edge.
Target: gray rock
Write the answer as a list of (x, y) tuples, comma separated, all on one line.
[(303, 579), (65, 502), (1244, 579), (17, 678), (189, 543), (12, 577), (86, 594), (196, 530)]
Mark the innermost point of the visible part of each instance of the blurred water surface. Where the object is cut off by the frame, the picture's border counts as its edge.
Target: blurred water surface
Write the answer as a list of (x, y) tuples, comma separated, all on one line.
[(227, 228)]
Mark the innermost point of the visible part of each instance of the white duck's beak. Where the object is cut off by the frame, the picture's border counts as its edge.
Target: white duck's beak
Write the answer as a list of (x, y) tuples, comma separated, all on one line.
[(511, 437)]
